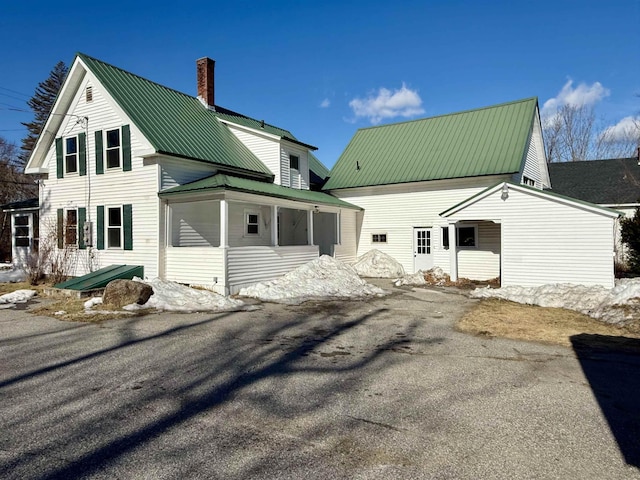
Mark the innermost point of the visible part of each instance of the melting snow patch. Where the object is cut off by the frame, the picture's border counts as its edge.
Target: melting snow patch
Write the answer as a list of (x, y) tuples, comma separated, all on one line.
[(411, 279), (617, 305), (9, 300), (12, 275), (321, 278), (433, 276), (377, 264), (173, 297), (92, 302)]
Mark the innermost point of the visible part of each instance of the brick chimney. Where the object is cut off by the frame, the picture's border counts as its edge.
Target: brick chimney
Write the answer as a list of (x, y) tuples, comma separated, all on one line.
[(206, 91)]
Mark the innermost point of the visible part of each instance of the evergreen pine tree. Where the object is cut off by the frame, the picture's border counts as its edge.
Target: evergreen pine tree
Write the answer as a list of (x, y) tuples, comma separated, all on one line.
[(630, 234), (41, 103)]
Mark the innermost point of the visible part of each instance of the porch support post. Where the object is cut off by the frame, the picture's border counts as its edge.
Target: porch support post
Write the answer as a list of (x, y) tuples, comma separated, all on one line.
[(274, 225), (224, 224), (310, 227), (453, 253)]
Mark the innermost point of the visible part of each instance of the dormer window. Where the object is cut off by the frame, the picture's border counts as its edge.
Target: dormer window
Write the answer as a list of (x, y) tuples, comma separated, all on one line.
[(71, 154), (294, 162)]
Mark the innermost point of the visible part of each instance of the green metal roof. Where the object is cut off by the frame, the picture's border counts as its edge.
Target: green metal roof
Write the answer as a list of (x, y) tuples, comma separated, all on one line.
[(222, 182), (176, 123), (486, 141)]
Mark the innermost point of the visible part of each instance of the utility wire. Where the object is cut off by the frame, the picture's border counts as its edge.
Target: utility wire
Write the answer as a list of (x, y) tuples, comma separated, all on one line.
[(16, 92)]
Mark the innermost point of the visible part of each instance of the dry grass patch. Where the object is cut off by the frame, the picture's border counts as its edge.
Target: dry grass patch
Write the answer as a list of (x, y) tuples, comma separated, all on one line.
[(74, 311), (8, 287), (501, 318)]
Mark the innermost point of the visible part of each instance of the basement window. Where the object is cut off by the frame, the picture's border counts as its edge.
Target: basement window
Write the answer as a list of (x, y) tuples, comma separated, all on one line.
[(379, 238)]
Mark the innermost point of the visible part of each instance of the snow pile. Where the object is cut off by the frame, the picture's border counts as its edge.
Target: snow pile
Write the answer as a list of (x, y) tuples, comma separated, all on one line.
[(173, 297), (617, 305), (9, 300), (379, 265), (433, 276), (92, 302), (320, 278), (411, 279), (12, 275)]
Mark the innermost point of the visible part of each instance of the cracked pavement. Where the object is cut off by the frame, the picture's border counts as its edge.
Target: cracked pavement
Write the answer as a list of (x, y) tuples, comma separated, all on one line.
[(376, 389)]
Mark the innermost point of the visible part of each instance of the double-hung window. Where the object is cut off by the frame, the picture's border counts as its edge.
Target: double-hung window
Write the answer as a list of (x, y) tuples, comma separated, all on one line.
[(71, 154), (113, 148), (252, 223), (71, 228), (114, 227)]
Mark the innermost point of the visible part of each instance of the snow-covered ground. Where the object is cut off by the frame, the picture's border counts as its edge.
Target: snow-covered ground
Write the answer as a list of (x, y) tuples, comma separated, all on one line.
[(173, 297), (433, 276), (9, 300), (11, 274), (619, 305), (324, 277), (376, 264)]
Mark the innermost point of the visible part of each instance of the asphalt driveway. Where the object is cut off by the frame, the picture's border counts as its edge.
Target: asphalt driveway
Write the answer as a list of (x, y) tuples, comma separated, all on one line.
[(368, 390)]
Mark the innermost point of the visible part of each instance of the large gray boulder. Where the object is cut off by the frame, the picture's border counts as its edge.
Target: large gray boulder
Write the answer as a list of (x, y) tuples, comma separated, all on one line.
[(119, 293)]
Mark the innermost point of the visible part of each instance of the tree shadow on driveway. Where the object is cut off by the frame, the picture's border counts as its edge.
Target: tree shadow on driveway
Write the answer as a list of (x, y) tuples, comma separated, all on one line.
[(612, 367)]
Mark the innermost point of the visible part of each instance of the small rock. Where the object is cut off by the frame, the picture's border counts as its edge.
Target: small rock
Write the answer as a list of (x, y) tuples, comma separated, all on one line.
[(119, 293)]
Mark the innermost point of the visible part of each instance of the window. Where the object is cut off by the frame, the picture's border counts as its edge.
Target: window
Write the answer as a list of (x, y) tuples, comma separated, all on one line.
[(114, 227), (379, 238), (528, 181), (294, 162), (21, 230), (71, 154), (467, 236), (71, 228), (253, 223), (445, 238), (113, 149)]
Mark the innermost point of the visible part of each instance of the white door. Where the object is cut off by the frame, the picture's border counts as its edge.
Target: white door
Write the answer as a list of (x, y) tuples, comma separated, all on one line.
[(422, 249)]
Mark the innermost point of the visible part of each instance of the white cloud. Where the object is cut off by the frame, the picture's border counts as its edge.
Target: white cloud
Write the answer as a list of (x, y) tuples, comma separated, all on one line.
[(627, 128), (581, 95), (388, 104), (325, 103)]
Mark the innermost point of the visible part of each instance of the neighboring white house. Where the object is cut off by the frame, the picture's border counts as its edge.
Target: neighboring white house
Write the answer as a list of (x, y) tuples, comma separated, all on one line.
[(612, 183), (24, 229), (137, 173), (428, 187)]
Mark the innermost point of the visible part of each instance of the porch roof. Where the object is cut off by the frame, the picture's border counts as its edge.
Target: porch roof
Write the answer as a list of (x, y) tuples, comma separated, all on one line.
[(222, 182), (30, 204)]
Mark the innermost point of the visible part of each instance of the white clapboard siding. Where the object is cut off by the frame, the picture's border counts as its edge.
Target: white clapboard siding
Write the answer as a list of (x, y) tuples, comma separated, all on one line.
[(396, 209), (266, 149), (237, 225), (113, 188), (195, 265), (174, 172), (247, 265), (195, 224), (535, 164), (347, 249), (545, 240), (483, 262)]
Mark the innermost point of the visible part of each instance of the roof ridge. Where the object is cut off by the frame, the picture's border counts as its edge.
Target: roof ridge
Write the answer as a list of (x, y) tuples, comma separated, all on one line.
[(488, 107), (228, 111), (83, 55)]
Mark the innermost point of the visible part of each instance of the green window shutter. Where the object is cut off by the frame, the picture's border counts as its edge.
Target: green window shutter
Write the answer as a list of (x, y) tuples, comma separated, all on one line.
[(60, 228), (82, 218), (59, 159), (82, 153), (126, 148), (99, 153), (127, 221), (100, 228)]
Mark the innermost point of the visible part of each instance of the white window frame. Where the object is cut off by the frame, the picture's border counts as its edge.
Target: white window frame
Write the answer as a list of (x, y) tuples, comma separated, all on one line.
[(247, 214), (377, 237), (29, 218), (107, 149), (475, 236), (528, 181), (65, 227), (66, 154), (297, 157), (442, 232), (108, 227)]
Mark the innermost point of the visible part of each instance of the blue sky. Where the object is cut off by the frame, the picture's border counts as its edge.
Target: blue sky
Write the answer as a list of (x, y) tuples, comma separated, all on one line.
[(324, 69)]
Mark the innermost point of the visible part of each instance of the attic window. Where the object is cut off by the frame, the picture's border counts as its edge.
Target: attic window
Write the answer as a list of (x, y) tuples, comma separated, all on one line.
[(294, 162), (89, 94), (528, 181)]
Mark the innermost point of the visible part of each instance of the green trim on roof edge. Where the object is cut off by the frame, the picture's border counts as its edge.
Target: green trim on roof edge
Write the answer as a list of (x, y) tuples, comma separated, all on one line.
[(222, 182)]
